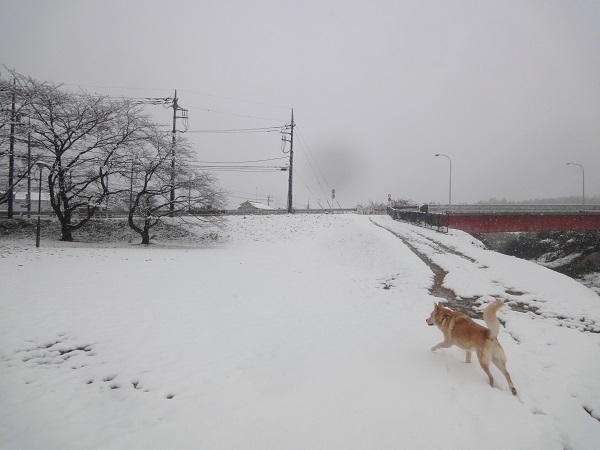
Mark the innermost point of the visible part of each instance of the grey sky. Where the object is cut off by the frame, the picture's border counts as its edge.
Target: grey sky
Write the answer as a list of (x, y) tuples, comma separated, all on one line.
[(510, 90)]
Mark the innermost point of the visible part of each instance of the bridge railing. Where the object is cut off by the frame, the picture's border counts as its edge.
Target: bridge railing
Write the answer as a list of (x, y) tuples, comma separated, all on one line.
[(436, 221), (519, 209)]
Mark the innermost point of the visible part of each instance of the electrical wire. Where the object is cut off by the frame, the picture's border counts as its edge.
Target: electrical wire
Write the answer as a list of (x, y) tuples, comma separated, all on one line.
[(242, 130), (307, 188), (241, 162), (166, 100), (239, 167), (305, 146), (225, 169), (234, 114), (320, 171), (117, 87), (235, 99), (180, 90)]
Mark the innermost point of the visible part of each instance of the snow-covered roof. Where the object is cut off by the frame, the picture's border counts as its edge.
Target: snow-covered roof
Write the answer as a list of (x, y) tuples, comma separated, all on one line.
[(261, 205), (256, 205)]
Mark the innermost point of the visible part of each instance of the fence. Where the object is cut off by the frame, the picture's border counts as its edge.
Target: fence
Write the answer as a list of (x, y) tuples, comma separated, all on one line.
[(513, 209), (436, 221)]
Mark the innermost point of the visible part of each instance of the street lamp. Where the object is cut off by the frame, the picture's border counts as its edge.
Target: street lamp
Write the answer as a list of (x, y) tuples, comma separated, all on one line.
[(582, 183), (450, 181), (37, 233)]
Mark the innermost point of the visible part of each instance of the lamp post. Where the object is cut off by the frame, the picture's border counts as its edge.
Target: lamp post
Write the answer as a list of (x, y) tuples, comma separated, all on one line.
[(450, 180), (582, 182), (40, 165)]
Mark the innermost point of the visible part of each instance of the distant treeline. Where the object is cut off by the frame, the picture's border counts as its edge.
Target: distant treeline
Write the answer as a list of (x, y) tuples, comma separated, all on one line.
[(572, 200)]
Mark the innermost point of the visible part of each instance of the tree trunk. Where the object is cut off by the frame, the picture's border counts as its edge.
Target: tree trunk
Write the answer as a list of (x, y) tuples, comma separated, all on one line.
[(146, 233), (66, 230), (66, 234)]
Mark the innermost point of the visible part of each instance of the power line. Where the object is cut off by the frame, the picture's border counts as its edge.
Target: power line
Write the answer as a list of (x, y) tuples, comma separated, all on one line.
[(166, 100), (237, 99), (228, 167), (320, 171), (308, 189), (245, 170), (234, 114), (305, 146), (241, 162), (117, 87), (181, 90), (242, 130), (241, 167)]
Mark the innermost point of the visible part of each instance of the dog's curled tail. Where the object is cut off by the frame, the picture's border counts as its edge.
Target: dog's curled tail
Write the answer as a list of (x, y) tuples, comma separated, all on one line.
[(492, 322)]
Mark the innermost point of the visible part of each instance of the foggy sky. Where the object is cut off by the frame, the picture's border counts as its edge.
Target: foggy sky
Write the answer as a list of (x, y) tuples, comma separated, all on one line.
[(509, 90)]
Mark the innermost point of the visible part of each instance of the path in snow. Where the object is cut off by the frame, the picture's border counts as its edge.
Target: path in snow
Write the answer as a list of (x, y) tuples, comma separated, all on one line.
[(423, 244), (463, 305)]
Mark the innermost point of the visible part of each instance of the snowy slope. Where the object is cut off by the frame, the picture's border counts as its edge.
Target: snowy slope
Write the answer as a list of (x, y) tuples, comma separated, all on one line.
[(290, 332)]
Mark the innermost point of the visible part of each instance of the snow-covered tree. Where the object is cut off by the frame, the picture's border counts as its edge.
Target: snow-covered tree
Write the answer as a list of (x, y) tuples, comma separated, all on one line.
[(151, 180), (80, 136)]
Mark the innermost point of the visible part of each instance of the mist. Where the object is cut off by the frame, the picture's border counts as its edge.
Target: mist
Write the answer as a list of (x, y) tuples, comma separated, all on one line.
[(508, 90)]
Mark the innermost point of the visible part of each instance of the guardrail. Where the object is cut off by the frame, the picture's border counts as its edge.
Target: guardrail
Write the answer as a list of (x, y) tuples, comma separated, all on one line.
[(436, 221), (473, 219), (499, 209)]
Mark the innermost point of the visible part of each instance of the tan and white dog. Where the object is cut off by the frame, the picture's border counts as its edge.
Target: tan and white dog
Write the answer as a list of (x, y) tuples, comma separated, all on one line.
[(463, 332)]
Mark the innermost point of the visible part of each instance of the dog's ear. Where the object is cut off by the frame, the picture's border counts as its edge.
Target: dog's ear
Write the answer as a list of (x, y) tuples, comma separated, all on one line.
[(436, 306)]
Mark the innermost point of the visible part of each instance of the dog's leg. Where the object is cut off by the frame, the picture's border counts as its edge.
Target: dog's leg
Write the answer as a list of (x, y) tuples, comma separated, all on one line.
[(447, 330), (484, 362), (468, 356), (499, 361), (444, 344)]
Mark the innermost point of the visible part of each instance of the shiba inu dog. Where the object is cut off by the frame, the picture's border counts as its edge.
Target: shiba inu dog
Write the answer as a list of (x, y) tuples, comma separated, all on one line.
[(460, 330)]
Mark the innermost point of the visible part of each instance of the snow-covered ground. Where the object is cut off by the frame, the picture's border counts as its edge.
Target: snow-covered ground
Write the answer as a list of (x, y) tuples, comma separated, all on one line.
[(289, 332)]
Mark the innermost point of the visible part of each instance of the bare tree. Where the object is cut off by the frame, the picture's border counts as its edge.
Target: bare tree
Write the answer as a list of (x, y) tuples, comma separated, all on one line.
[(80, 135), (151, 181)]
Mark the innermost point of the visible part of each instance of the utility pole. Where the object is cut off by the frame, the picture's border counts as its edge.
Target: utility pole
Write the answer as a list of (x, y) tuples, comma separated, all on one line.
[(29, 169), (290, 209), (269, 200), (11, 155), (190, 196), (131, 187), (172, 197), (184, 116)]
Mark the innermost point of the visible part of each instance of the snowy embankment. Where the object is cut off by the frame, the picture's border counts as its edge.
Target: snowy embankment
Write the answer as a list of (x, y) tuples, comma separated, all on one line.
[(289, 332)]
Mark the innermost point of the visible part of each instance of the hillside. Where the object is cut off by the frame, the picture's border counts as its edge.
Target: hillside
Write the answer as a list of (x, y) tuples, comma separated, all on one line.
[(573, 253)]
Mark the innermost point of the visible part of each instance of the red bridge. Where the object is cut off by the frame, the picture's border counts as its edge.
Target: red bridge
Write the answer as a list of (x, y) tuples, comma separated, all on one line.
[(502, 218)]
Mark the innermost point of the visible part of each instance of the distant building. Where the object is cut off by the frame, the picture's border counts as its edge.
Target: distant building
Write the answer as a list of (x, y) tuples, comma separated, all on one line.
[(253, 206), (20, 202)]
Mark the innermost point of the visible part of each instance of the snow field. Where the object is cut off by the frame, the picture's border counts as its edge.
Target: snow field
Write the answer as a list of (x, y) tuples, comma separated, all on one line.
[(293, 332)]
